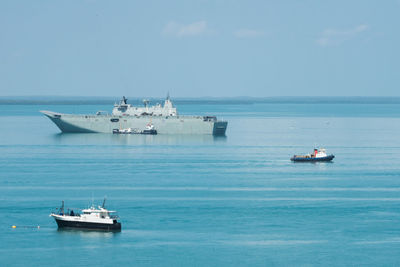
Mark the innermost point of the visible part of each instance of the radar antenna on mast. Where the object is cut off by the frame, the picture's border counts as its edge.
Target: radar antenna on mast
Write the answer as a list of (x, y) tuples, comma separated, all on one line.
[(62, 207), (104, 203)]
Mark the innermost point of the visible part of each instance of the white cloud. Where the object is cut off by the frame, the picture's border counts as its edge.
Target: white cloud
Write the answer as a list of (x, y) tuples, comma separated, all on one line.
[(180, 30), (337, 37), (248, 33)]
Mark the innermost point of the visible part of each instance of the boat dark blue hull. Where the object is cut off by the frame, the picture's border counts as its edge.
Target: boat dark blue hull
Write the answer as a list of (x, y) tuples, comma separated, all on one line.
[(309, 159), (116, 226), (151, 132)]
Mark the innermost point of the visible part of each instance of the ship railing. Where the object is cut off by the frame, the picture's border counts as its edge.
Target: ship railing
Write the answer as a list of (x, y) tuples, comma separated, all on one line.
[(204, 118), (69, 212), (209, 118)]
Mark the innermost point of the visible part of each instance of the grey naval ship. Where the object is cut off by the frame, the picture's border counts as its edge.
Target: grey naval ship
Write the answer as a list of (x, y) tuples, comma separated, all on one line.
[(164, 118)]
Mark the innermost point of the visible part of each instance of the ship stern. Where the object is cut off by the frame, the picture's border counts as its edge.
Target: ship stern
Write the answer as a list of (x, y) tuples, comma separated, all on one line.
[(220, 128)]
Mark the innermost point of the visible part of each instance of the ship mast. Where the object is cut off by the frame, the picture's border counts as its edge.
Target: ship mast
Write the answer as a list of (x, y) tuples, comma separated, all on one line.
[(62, 207), (104, 203)]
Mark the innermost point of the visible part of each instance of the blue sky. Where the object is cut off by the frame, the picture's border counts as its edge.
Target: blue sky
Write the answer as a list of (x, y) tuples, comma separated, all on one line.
[(200, 48)]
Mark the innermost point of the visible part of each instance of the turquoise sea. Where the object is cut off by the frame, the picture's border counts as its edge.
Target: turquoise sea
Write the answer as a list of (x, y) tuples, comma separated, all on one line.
[(204, 200)]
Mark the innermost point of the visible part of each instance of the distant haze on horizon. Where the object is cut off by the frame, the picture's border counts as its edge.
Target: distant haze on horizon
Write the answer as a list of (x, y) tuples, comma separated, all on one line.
[(208, 48)]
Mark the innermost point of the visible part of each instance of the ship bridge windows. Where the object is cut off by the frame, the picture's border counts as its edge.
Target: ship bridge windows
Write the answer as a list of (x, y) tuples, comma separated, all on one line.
[(122, 108), (114, 120)]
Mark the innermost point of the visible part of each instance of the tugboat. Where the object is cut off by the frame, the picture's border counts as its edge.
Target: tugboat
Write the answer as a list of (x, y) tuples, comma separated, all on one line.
[(318, 155), (89, 219), (148, 130)]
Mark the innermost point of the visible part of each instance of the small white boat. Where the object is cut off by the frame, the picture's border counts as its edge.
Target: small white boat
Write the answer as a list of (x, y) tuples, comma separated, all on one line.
[(126, 131), (148, 130), (90, 219)]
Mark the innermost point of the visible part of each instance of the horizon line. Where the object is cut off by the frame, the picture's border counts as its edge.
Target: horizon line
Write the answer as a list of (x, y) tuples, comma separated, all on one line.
[(109, 100), (190, 97)]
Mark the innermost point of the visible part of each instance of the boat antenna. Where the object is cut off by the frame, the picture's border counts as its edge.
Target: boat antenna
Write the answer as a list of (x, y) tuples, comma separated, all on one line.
[(104, 202), (62, 207)]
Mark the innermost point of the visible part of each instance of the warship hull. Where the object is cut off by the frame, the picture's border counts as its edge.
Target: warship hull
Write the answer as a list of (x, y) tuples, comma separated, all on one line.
[(71, 123)]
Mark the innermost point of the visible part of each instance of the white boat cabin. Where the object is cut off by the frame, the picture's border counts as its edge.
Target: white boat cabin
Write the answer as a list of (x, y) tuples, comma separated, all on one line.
[(320, 153), (101, 213)]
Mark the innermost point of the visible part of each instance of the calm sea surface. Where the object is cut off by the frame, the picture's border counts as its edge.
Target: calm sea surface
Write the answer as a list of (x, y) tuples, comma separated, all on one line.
[(207, 201)]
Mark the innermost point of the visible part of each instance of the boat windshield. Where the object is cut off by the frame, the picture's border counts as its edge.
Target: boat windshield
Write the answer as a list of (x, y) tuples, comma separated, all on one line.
[(113, 215)]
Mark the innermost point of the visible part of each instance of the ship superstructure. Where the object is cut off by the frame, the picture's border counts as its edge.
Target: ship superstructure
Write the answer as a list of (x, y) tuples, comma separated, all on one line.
[(164, 118), (124, 109)]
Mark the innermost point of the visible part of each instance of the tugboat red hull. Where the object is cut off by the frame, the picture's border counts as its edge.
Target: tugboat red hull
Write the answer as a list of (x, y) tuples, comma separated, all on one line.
[(310, 159), (116, 226)]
